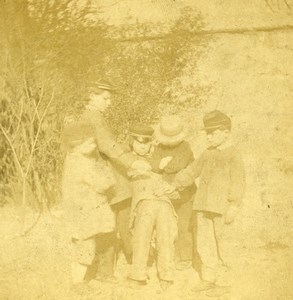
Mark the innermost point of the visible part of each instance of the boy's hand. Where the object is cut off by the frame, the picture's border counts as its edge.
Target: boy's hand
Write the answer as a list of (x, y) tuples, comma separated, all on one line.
[(174, 195), (231, 214), (182, 180), (164, 162), (139, 167)]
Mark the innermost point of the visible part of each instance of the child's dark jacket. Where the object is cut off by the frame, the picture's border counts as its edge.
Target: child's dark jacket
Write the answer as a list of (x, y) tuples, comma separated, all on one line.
[(222, 179), (182, 158)]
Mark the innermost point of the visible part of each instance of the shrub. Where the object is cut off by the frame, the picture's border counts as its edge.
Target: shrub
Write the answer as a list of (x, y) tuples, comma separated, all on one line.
[(50, 52)]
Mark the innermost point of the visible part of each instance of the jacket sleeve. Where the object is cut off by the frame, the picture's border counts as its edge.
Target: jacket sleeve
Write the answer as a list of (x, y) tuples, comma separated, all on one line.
[(155, 160), (100, 179), (237, 177), (187, 176), (107, 145)]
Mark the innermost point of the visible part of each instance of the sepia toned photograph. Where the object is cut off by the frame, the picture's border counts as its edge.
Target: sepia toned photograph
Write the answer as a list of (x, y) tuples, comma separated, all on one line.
[(146, 149)]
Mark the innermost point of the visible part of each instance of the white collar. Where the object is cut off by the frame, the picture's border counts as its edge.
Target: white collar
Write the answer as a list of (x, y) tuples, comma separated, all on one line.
[(225, 145), (91, 108)]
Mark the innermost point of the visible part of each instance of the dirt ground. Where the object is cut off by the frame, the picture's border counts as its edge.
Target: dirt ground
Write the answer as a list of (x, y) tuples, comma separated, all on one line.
[(37, 266), (251, 78)]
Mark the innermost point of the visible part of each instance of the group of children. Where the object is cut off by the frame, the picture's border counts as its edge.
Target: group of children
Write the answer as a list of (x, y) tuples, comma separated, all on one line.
[(163, 201)]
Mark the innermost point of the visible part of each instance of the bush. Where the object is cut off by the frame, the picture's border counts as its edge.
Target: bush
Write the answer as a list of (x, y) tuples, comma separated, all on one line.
[(50, 51)]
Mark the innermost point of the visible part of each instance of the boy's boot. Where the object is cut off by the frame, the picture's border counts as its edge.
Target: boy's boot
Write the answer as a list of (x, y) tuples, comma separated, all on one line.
[(202, 285), (165, 285), (135, 284), (106, 257), (218, 291), (78, 272)]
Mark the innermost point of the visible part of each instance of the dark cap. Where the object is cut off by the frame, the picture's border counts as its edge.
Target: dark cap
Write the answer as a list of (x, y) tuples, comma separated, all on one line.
[(216, 120), (140, 130), (101, 85)]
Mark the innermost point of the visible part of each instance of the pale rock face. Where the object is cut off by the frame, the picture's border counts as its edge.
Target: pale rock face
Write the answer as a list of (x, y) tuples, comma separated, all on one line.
[(217, 13), (143, 11)]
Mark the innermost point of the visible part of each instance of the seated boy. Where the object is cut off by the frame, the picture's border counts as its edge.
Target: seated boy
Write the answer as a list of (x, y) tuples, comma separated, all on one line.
[(151, 211)]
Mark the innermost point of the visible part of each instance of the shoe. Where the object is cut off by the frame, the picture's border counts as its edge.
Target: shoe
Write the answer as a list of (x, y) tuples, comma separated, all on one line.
[(183, 265), (218, 291), (135, 284), (165, 284), (203, 286), (107, 279), (80, 288)]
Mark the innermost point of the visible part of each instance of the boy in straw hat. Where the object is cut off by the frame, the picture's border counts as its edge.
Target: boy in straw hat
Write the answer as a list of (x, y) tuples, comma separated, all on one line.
[(151, 212), (171, 155), (85, 182), (221, 187)]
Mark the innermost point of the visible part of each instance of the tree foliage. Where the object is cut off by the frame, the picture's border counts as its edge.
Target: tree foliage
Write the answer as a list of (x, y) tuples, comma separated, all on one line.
[(50, 51)]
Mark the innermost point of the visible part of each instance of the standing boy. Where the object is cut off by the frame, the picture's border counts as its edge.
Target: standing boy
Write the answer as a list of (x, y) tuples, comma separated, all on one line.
[(221, 188), (119, 158), (171, 155), (86, 178)]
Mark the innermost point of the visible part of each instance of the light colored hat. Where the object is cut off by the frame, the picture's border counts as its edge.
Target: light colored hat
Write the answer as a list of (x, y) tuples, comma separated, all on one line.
[(170, 131)]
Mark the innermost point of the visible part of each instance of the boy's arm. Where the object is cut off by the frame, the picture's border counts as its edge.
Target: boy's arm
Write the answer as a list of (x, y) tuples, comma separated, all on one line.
[(187, 176), (139, 168), (108, 145), (100, 181), (155, 160), (237, 175)]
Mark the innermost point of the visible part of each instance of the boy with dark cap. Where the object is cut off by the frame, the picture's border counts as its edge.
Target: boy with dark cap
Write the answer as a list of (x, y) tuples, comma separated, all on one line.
[(152, 213), (119, 158), (221, 187)]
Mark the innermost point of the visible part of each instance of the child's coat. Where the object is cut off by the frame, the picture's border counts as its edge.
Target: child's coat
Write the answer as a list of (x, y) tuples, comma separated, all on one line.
[(85, 182)]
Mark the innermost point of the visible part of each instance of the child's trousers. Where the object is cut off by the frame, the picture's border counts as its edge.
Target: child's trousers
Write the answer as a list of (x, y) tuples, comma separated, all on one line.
[(122, 210), (215, 248), (104, 258), (154, 215), (184, 243)]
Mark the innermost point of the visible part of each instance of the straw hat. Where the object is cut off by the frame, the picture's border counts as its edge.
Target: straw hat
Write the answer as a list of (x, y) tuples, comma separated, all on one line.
[(101, 85), (170, 131)]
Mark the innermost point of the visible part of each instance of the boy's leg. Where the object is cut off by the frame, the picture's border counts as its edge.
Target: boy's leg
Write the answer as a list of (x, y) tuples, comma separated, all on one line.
[(224, 280), (122, 220), (105, 249), (142, 234), (207, 246), (166, 228), (83, 254), (196, 261), (78, 272), (183, 243), (225, 251)]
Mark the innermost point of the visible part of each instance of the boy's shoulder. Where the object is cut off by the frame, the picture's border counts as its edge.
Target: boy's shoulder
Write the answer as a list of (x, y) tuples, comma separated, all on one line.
[(183, 146), (230, 151), (77, 160), (91, 115)]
